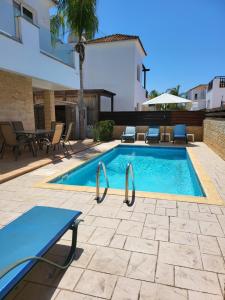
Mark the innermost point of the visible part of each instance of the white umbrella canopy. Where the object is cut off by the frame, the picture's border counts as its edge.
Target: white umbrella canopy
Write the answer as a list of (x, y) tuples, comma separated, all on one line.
[(166, 99)]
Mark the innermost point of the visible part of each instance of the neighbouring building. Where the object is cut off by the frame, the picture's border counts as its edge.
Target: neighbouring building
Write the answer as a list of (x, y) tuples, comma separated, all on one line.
[(208, 96), (215, 96), (198, 95), (29, 63), (115, 63)]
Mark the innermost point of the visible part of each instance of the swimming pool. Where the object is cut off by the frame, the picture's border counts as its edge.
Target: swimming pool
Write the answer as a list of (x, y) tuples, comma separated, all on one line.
[(156, 169)]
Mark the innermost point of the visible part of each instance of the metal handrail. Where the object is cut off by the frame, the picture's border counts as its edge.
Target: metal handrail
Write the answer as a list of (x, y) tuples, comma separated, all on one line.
[(101, 164), (129, 169)]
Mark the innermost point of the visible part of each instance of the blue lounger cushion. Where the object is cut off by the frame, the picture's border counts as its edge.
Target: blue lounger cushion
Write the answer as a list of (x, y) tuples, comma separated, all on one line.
[(32, 234)]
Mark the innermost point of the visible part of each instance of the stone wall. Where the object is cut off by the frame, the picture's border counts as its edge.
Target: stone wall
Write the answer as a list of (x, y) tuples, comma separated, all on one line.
[(16, 99), (197, 130), (214, 135)]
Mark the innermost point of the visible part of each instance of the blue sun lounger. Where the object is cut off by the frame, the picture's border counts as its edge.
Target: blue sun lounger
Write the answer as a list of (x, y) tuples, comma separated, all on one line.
[(24, 241), (129, 134), (180, 132), (153, 133)]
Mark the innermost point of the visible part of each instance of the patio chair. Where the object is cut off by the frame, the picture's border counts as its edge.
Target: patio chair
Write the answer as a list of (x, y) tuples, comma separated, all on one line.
[(66, 138), (180, 133), (153, 133), (129, 134), (11, 140), (55, 140), (25, 241)]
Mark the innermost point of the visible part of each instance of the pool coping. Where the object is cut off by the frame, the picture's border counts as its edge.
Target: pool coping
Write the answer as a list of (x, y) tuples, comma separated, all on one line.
[(212, 195)]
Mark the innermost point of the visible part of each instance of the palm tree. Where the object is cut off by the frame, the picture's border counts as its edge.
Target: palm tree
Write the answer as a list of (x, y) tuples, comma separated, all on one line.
[(153, 94), (79, 16), (174, 91)]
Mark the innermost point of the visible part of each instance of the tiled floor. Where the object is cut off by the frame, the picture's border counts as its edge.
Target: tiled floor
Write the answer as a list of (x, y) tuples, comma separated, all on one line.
[(157, 249), (9, 168)]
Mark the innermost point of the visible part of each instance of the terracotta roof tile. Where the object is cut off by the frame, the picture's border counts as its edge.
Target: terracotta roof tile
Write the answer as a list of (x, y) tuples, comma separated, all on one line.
[(116, 38)]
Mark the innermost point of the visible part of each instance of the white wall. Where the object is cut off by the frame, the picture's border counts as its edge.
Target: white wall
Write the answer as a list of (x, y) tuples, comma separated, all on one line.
[(112, 66), (215, 95), (139, 91), (25, 58), (200, 103)]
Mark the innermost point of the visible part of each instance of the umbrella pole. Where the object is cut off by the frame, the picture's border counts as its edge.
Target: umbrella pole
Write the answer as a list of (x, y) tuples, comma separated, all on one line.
[(164, 135)]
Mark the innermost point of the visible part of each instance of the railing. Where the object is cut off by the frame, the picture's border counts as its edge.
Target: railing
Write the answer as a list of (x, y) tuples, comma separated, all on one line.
[(129, 170), (101, 165)]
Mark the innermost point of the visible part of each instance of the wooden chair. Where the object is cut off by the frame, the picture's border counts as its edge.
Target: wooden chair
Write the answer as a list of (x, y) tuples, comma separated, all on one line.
[(10, 140), (55, 140), (66, 137)]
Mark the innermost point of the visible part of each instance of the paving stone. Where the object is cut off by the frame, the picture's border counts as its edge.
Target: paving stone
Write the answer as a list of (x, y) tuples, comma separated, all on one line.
[(106, 222), (161, 235), (103, 211), (166, 203), (222, 282), (102, 236), (187, 206), (96, 284), (208, 245), (179, 255), (183, 213), (145, 208), (210, 228), (180, 224), (84, 253), (84, 233), (221, 219), (141, 245), (155, 221), (118, 241), (213, 263), (148, 233), (215, 209), (185, 238), (110, 260), (202, 281), (126, 289), (7, 217), (36, 292), (161, 211), (68, 295), (142, 266), (138, 216), (154, 291), (172, 212), (88, 220), (202, 296), (130, 228), (124, 215), (164, 274), (222, 245), (204, 208), (199, 216)]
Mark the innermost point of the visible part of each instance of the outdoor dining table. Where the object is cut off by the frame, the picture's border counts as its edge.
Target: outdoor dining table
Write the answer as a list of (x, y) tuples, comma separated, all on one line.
[(35, 135)]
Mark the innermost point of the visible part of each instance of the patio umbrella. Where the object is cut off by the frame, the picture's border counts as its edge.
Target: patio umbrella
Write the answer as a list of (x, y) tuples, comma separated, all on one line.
[(166, 99)]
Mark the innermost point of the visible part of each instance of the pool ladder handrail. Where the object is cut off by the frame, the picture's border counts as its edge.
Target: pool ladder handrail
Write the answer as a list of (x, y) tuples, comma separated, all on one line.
[(129, 170), (101, 165)]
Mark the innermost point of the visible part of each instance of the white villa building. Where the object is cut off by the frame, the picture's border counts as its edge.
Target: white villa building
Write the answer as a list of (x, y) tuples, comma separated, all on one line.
[(208, 96), (28, 62), (115, 63), (215, 96)]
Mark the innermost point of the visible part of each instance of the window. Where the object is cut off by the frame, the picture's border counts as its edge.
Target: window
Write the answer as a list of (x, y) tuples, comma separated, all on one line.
[(138, 73), (27, 14), (196, 96), (210, 85), (222, 82)]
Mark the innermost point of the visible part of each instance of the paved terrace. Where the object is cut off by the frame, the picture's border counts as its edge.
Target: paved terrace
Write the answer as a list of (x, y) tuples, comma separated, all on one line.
[(157, 249)]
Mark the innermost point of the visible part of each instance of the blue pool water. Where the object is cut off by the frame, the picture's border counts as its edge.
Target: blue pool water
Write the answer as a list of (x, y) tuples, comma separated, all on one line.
[(156, 169)]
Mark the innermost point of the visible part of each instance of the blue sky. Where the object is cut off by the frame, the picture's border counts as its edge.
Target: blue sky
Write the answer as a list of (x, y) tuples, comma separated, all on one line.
[(184, 39)]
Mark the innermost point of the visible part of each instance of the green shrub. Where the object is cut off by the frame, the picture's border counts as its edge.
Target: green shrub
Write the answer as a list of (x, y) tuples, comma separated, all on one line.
[(103, 130)]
